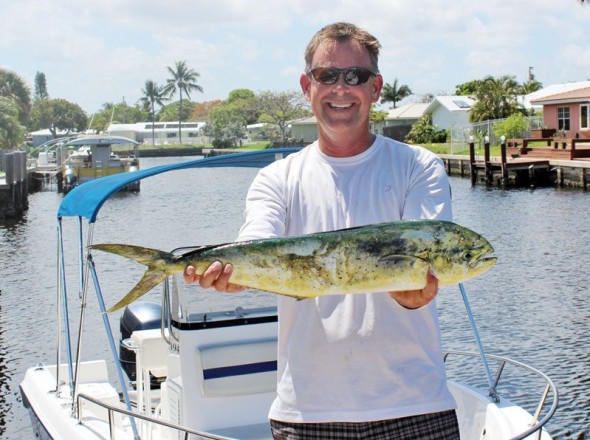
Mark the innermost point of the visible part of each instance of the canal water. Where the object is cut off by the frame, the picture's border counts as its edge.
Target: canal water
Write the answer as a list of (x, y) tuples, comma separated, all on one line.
[(533, 306)]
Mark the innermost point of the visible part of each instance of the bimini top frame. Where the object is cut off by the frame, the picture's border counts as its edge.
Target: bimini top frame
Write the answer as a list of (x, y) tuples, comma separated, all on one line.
[(84, 202)]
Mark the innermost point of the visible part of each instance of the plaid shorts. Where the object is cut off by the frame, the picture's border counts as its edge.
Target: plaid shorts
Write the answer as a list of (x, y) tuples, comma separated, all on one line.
[(436, 426)]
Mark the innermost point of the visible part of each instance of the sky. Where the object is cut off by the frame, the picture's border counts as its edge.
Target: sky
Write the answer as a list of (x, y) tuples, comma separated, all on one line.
[(98, 52)]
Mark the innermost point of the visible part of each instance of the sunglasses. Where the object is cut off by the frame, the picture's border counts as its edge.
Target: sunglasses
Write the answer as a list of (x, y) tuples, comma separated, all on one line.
[(353, 76)]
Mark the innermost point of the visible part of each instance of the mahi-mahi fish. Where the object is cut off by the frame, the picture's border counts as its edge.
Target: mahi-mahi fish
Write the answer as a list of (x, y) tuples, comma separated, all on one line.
[(383, 257)]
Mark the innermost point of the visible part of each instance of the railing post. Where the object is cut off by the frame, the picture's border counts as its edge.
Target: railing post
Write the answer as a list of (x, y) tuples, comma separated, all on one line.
[(487, 164), (472, 168), (504, 179)]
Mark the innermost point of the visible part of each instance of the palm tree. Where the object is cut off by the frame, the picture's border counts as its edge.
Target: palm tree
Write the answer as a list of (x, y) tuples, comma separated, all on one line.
[(184, 80), (393, 93), (529, 87), (496, 99), (14, 88), (152, 95)]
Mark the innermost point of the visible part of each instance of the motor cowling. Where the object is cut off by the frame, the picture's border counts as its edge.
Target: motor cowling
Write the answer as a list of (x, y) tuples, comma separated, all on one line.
[(140, 315)]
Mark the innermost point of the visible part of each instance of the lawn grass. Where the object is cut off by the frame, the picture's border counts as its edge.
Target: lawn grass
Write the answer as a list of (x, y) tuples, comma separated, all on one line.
[(435, 148)]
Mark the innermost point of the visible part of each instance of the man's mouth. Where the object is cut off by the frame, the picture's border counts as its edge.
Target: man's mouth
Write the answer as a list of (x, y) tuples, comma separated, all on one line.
[(339, 106)]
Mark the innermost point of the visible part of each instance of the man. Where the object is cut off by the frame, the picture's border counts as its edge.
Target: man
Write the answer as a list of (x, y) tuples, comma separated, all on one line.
[(351, 366)]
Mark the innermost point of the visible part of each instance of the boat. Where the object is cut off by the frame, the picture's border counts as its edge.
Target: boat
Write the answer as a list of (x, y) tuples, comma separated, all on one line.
[(93, 157), (185, 372)]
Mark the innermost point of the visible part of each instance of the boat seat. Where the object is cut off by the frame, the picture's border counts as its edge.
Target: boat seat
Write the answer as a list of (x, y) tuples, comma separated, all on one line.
[(152, 351), (238, 368)]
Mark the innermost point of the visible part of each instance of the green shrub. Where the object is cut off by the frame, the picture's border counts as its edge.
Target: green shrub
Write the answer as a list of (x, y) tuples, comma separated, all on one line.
[(424, 132), (515, 126)]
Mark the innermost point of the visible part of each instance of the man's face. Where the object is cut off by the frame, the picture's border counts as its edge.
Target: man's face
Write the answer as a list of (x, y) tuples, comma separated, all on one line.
[(339, 107)]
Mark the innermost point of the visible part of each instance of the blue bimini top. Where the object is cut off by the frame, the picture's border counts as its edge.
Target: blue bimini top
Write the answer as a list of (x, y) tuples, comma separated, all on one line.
[(87, 199)]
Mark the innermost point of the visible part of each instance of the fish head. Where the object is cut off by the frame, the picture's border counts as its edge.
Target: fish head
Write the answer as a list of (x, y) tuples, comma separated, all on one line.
[(460, 254)]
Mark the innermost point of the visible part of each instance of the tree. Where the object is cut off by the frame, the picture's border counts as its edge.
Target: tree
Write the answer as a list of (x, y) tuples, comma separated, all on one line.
[(201, 110), (13, 87), (119, 113), (423, 131), (12, 133), (530, 87), (171, 111), (58, 115), (40, 87), (152, 95), (183, 80), (394, 92), (225, 127), (515, 126), (243, 101), (496, 99), (280, 108), (377, 115), (467, 89)]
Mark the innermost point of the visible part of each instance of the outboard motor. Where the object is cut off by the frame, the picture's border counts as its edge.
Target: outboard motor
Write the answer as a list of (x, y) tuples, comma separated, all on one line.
[(139, 315)]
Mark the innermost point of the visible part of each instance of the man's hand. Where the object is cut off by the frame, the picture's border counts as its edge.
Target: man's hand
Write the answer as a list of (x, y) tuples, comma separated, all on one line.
[(217, 276), (414, 299)]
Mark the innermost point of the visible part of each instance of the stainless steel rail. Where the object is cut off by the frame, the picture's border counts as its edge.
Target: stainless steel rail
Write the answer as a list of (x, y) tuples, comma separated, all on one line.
[(536, 424), (112, 410)]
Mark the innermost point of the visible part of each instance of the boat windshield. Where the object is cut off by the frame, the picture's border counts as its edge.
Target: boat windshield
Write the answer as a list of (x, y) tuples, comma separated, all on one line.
[(192, 304)]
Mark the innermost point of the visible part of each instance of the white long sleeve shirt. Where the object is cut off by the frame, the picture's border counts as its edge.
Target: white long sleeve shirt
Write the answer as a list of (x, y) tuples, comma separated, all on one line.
[(353, 357)]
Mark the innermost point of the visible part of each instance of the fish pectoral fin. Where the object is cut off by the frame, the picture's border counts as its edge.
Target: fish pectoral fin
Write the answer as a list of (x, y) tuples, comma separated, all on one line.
[(401, 259), (289, 295)]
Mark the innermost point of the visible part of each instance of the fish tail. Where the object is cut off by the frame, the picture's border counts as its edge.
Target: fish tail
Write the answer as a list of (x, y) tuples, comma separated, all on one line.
[(155, 260)]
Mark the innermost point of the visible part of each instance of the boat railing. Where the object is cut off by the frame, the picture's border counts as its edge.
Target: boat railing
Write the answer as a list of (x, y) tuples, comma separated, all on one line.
[(112, 410), (536, 425)]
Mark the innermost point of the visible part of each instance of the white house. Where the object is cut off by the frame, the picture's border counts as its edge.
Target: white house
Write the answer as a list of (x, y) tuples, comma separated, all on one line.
[(306, 129), (164, 132), (449, 111)]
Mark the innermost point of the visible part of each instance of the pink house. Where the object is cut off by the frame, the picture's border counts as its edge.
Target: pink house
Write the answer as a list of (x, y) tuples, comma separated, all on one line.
[(567, 112)]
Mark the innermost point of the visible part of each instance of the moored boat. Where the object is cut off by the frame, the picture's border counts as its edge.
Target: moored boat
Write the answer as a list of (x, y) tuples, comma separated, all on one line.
[(211, 374), (94, 158)]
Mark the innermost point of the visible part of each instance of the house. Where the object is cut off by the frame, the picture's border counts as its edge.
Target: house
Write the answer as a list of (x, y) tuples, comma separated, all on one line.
[(399, 121), (306, 129), (447, 112), (450, 111), (568, 111), (164, 132), (39, 137)]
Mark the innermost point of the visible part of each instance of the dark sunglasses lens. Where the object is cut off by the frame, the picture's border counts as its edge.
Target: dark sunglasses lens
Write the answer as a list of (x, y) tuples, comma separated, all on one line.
[(355, 77), (326, 76)]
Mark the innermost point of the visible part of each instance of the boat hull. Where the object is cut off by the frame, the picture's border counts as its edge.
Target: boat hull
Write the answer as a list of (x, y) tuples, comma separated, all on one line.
[(51, 417)]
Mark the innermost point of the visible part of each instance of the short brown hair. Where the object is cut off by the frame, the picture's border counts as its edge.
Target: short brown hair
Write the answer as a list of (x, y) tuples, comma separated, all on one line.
[(341, 32)]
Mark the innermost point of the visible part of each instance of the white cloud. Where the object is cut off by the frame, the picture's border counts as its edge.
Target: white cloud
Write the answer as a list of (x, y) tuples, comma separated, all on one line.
[(97, 52)]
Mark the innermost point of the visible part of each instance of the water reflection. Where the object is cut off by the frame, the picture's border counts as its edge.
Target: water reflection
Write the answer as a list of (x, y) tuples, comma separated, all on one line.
[(532, 306)]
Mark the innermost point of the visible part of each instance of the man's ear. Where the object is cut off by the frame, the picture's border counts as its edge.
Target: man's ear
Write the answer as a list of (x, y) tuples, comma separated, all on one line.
[(377, 86), (305, 83)]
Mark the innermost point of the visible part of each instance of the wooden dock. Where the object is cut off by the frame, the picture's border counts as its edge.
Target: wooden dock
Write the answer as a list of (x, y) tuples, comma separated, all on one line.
[(14, 185), (516, 170)]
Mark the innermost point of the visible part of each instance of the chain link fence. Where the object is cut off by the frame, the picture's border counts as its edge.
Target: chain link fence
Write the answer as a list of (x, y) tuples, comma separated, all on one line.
[(461, 135)]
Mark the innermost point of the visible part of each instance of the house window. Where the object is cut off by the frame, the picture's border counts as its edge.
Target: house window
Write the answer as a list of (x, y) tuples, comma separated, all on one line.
[(585, 116), (563, 118)]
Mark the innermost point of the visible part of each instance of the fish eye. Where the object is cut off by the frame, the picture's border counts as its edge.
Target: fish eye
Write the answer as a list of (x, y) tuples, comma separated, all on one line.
[(468, 255)]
